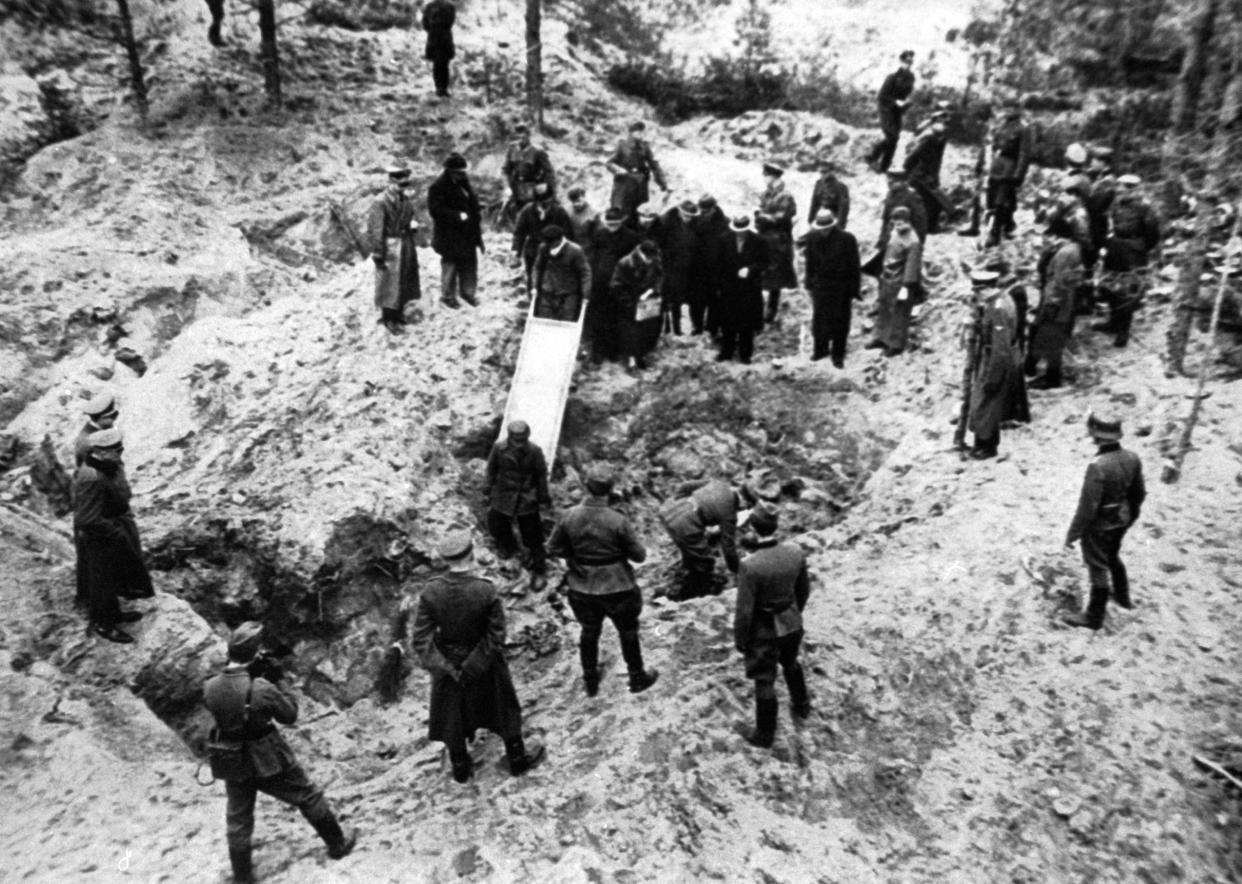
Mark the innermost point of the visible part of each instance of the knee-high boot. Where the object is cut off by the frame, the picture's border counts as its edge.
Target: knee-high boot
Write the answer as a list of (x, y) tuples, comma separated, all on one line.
[(243, 870), (631, 650), (799, 699)]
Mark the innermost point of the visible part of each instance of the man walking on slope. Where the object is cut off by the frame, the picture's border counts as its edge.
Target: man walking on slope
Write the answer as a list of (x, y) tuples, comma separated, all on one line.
[(438, 19), (1112, 495), (517, 486), (893, 98)]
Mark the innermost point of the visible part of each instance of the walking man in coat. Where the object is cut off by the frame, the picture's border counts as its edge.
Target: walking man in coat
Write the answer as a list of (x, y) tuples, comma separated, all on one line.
[(542, 212), (774, 221), (459, 637), (517, 486), (893, 98), (390, 229), (834, 282), (901, 285), (609, 242), (562, 277), (772, 589), (923, 163), (638, 279), (991, 362), (710, 228), (1060, 271), (678, 246), (246, 705), (525, 166), (739, 283), (598, 544), (713, 504), (457, 232), (1011, 158), (632, 166), (1135, 233), (830, 192), (1112, 496), (110, 563), (439, 16)]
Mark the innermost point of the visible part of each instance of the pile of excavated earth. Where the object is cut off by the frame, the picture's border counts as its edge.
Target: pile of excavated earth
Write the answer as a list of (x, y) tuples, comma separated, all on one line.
[(294, 463)]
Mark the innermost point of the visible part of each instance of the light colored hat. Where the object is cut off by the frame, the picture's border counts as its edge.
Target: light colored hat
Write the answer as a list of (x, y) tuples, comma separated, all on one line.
[(740, 223), (599, 478), (648, 210), (519, 430), (99, 404), (1104, 427), (825, 218), (1130, 180), (982, 278), (397, 172), (1075, 154), (455, 545), (245, 641), (109, 438)]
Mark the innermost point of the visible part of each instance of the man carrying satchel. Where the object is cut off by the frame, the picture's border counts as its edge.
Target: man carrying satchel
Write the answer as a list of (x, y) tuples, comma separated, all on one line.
[(249, 754)]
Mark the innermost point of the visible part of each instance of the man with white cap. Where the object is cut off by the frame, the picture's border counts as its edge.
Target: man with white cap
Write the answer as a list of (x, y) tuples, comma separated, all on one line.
[(391, 227), (1112, 495), (245, 705), (459, 637), (110, 563), (101, 412), (834, 282), (516, 487)]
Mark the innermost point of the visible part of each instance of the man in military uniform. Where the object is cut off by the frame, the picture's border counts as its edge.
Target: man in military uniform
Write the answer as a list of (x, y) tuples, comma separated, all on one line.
[(438, 19), (110, 563), (772, 590), (516, 487), (459, 637), (245, 699), (831, 193), (834, 282), (893, 98), (1060, 272), (390, 229), (774, 223), (543, 211), (1135, 233), (638, 277), (990, 362), (632, 166), (562, 277), (923, 161), (582, 218), (1112, 495), (714, 504), (1011, 159), (525, 166), (598, 544), (458, 232)]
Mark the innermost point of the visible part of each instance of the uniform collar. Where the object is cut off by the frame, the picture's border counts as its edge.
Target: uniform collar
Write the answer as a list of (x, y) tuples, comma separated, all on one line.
[(765, 542)]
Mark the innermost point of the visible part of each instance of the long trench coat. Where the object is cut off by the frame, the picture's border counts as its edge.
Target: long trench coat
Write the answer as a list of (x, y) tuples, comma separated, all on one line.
[(741, 300), (778, 203), (397, 280), (110, 563), (993, 363)]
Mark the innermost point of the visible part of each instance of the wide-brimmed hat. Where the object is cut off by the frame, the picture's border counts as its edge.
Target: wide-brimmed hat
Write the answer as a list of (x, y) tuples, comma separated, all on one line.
[(740, 223), (1104, 427), (770, 168), (397, 172), (689, 208), (245, 641), (981, 278), (825, 218)]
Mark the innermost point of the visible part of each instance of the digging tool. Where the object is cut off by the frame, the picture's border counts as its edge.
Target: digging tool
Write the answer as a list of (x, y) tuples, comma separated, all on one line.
[(338, 215)]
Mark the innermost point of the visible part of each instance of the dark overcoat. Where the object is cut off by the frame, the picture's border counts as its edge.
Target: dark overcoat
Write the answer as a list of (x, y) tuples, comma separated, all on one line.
[(709, 227), (832, 267), (1061, 274), (452, 238), (741, 300), (517, 478), (438, 19), (678, 246), (989, 385), (109, 550)]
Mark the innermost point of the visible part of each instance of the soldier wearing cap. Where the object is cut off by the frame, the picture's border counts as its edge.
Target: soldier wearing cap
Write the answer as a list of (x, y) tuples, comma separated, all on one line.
[(525, 166), (638, 277), (893, 98), (632, 166), (544, 211), (774, 223), (710, 228), (834, 282), (772, 590), (608, 243), (391, 227), (713, 504), (901, 195), (459, 637), (1135, 233), (516, 487), (458, 232), (438, 19), (901, 285), (1112, 496), (562, 277), (990, 362), (110, 562), (678, 247), (246, 707), (101, 414), (598, 543), (923, 161), (742, 260), (830, 192), (1011, 159), (1061, 274)]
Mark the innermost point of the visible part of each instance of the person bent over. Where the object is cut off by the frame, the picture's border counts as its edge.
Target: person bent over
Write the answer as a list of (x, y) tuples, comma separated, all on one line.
[(687, 519)]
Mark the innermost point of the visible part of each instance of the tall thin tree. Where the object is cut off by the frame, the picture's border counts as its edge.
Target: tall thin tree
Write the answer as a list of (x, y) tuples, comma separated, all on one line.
[(534, 62), (268, 50), (136, 77)]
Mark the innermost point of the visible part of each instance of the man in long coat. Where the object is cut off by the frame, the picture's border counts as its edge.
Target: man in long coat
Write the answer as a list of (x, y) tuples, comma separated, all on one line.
[(1060, 271), (458, 232), (774, 222), (459, 636), (901, 285), (543, 211), (901, 195), (1112, 496), (678, 248), (438, 19), (101, 414), (713, 504), (830, 192), (743, 258), (637, 281), (632, 166), (1011, 159), (110, 563), (710, 228), (391, 227), (526, 166), (892, 100), (562, 277), (991, 362), (923, 162), (598, 544), (773, 586), (834, 282), (516, 487), (608, 242)]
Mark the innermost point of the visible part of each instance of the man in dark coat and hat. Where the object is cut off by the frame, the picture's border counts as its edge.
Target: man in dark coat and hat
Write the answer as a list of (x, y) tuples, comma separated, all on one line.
[(893, 98), (678, 248), (438, 19), (773, 585), (710, 228), (391, 227), (608, 243), (632, 166), (774, 222), (543, 211), (459, 636), (516, 487), (834, 282), (634, 291), (457, 232), (598, 543), (101, 414), (715, 503), (110, 563), (1060, 272), (562, 277), (1112, 496), (246, 702), (743, 258), (991, 362)]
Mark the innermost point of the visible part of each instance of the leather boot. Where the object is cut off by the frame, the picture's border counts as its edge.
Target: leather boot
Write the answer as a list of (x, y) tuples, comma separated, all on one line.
[(463, 770), (520, 758), (590, 680), (763, 734), (1093, 618), (243, 871), (631, 650), (799, 700), (339, 844)]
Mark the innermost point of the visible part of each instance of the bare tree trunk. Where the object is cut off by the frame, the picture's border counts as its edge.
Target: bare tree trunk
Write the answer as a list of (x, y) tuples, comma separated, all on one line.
[(136, 78), (1194, 67), (534, 63), (268, 51)]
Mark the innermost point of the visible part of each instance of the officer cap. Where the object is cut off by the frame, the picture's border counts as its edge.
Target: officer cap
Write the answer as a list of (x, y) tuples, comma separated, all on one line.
[(901, 213), (519, 430), (981, 278), (1075, 154), (398, 172), (825, 218), (552, 233), (101, 403), (1104, 427), (770, 168), (599, 479), (455, 545), (455, 161), (688, 208), (764, 519), (1130, 180), (245, 641), (897, 174), (740, 223), (707, 201), (109, 438)]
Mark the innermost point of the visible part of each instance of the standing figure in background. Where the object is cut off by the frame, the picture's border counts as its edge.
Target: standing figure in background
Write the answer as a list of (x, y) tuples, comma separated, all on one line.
[(774, 222), (632, 166), (710, 228), (901, 285), (922, 164), (893, 98), (609, 241), (391, 227), (101, 414), (834, 282), (582, 218), (901, 195), (678, 247), (743, 259), (830, 192), (516, 487), (438, 19), (1011, 158), (1135, 233), (457, 232), (991, 357), (525, 167), (639, 276), (1060, 272), (216, 9)]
